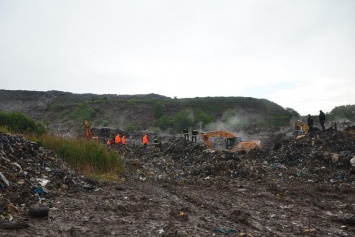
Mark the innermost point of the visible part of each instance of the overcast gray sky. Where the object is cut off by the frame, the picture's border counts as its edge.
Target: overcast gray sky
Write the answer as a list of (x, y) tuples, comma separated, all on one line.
[(296, 53)]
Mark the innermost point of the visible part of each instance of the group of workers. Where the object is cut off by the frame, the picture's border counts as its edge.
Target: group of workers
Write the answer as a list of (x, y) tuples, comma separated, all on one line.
[(122, 140), (321, 118), (194, 133), (117, 140)]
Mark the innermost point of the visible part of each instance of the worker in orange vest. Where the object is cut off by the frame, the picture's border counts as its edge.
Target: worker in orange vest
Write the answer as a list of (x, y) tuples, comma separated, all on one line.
[(123, 140), (108, 142), (117, 139), (145, 140), (87, 130)]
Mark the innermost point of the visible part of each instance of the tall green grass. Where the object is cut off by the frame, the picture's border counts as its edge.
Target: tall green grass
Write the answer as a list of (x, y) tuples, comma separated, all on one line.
[(88, 156), (18, 122), (4, 129)]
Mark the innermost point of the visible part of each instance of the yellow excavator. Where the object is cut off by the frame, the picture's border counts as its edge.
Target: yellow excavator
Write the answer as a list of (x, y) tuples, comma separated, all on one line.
[(301, 129), (233, 143)]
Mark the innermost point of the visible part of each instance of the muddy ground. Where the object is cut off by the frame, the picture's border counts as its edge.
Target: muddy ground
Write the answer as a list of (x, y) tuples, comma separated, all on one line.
[(297, 187), (203, 209)]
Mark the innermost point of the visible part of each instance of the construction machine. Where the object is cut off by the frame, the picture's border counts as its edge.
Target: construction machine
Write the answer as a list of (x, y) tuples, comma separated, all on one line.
[(233, 143), (301, 129), (88, 132)]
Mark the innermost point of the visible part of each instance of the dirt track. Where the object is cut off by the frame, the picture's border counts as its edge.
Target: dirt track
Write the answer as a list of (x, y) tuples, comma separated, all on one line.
[(204, 209)]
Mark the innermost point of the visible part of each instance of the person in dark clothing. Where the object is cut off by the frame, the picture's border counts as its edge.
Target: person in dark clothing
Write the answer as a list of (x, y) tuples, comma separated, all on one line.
[(322, 119), (186, 133), (157, 144), (194, 135), (310, 122)]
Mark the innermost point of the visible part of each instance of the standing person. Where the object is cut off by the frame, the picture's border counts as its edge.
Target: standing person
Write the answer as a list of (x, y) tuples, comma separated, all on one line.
[(123, 140), (108, 142), (145, 140), (194, 135), (321, 119), (157, 144), (310, 122), (117, 139), (186, 133)]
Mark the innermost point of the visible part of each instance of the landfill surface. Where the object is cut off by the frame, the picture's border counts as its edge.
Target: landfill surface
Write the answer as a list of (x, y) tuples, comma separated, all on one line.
[(289, 187)]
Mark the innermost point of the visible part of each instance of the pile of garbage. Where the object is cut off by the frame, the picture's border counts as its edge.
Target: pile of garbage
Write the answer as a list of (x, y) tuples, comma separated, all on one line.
[(32, 176), (318, 157)]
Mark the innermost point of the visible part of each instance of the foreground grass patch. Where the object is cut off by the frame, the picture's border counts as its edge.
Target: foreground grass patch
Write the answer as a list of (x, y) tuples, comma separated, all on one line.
[(90, 157)]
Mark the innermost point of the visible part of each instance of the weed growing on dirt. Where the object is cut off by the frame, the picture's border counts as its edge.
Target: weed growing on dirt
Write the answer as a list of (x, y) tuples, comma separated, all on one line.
[(90, 157), (4, 129)]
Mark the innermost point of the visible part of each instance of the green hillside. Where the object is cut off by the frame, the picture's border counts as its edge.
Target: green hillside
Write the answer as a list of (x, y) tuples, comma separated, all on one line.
[(63, 112)]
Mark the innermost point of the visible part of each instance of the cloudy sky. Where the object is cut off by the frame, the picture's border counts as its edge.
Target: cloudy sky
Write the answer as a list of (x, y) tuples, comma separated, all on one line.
[(296, 53)]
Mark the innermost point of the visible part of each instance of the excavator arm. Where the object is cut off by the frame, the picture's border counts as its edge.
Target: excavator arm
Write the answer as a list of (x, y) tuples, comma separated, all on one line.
[(232, 143), (205, 136)]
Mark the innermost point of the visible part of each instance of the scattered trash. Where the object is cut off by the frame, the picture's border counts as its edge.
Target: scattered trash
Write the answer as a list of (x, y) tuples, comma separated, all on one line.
[(352, 162), (13, 225), (26, 173), (3, 181), (345, 220), (14, 210), (43, 182), (226, 230), (316, 158), (244, 235), (38, 191), (38, 212)]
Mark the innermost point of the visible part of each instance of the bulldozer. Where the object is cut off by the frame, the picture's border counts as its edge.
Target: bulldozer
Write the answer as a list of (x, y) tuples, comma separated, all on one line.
[(233, 143)]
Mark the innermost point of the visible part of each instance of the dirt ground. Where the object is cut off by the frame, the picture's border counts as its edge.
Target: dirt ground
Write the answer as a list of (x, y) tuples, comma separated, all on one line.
[(297, 187), (239, 208)]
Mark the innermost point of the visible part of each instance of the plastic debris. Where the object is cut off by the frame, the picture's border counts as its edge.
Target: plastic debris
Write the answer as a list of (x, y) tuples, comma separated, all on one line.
[(226, 230), (3, 181)]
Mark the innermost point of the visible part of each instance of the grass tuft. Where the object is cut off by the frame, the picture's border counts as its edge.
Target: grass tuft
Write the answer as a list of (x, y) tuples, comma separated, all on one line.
[(92, 158)]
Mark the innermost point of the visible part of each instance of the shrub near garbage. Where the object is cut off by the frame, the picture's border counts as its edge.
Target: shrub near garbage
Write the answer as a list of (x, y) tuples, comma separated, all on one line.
[(89, 156)]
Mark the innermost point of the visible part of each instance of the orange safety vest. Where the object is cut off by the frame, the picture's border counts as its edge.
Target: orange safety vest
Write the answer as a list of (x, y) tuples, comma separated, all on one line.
[(117, 139), (145, 139), (123, 140), (108, 142), (87, 129)]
